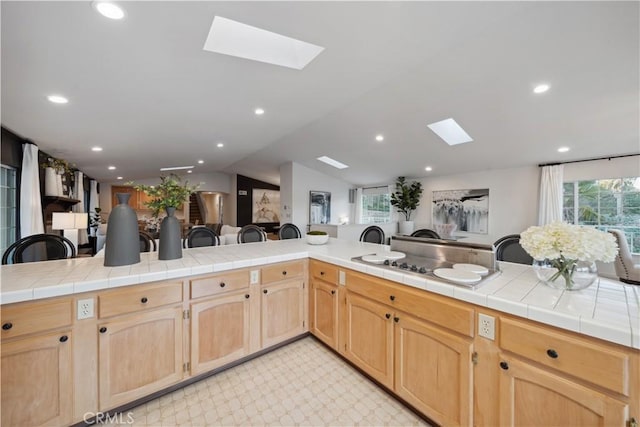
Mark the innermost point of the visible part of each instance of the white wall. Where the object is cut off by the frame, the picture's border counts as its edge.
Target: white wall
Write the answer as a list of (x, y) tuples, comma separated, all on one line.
[(602, 169), (513, 199)]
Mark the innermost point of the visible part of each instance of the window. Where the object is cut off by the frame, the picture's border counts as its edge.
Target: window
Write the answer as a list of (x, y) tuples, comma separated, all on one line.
[(376, 205), (605, 203), (8, 207)]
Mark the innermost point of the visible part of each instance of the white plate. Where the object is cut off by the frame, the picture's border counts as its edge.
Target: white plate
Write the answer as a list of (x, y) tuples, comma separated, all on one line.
[(460, 276), (373, 259), (474, 268), (392, 255)]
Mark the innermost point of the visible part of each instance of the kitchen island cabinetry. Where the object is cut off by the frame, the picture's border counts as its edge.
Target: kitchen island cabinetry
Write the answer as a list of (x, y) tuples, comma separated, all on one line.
[(36, 358), (323, 302)]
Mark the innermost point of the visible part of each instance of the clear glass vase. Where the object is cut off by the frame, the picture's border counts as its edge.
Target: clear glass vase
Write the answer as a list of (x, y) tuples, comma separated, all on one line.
[(571, 275)]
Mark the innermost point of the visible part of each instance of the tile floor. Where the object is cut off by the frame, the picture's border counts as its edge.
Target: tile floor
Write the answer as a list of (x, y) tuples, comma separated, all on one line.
[(302, 384)]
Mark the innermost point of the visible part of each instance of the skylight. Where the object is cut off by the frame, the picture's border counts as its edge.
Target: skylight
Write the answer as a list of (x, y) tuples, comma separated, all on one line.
[(334, 163), (174, 168), (450, 131), (244, 41)]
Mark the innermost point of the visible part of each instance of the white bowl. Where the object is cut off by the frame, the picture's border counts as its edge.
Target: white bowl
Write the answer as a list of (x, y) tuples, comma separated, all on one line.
[(317, 239)]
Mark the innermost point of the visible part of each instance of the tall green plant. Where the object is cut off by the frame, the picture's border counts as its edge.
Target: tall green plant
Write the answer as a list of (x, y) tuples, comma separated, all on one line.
[(170, 193), (406, 198)]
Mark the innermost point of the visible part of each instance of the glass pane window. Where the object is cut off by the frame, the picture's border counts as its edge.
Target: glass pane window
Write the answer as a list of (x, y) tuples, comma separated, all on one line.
[(376, 208), (604, 204), (8, 206)]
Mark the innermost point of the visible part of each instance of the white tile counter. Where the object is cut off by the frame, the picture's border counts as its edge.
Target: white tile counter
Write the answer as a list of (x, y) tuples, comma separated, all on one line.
[(608, 310)]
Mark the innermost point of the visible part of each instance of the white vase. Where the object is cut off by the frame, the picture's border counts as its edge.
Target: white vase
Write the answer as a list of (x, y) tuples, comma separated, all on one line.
[(406, 227), (51, 182)]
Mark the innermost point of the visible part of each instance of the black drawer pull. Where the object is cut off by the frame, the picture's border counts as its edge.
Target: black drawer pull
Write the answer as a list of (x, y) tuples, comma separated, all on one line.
[(7, 326), (103, 330), (392, 298), (264, 292), (333, 292), (388, 316), (247, 296), (222, 284), (552, 353), (396, 319), (144, 300), (322, 273), (64, 338), (504, 365), (284, 273)]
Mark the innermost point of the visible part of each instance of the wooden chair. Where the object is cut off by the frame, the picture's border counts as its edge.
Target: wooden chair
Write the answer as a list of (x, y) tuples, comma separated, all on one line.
[(199, 237), (626, 269), (289, 231), (425, 232), (251, 233), (147, 242), (508, 249), (372, 234), (39, 247)]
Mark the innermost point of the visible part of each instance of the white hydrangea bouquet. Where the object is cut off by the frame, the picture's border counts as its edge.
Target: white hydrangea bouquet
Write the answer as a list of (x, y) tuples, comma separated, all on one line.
[(564, 246)]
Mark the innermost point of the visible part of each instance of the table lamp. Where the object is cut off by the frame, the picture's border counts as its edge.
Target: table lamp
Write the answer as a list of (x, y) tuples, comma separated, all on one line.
[(70, 223)]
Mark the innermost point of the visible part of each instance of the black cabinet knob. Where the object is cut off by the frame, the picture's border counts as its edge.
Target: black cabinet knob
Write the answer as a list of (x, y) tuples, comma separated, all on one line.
[(64, 338), (396, 319), (247, 296), (103, 330), (388, 316), (552, 353), (333, 292), (322, 273), (264, 292), (7, 326), (504, 365), (284, 273), (392, 298), (222, 284), (144, 300)]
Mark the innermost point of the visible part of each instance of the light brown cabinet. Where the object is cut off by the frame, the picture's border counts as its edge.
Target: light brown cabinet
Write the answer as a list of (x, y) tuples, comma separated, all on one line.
[(323, 302), (282, 311), (137, 199)]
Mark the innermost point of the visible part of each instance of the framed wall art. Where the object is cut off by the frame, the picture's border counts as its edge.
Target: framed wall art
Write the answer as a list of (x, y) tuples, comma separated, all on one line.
[(467, 209), (319, 207)]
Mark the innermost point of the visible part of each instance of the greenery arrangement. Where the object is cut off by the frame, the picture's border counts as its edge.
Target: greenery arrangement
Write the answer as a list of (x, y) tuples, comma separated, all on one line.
[(406, 198), (94, 218), (61, 166), (170, 193), (316, 233)]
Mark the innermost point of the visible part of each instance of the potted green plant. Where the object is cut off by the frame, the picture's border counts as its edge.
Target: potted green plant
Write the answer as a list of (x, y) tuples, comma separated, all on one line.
[(406, 199), (317, 237), (168, 195)]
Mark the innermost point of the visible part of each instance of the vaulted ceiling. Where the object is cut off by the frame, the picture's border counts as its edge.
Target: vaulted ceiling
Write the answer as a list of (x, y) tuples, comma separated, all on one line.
[(144, 90)]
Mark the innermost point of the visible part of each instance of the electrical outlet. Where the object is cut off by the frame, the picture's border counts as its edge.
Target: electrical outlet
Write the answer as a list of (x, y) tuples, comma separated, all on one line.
[(85, 308), (342, 278), (255, 277), (487, 326)]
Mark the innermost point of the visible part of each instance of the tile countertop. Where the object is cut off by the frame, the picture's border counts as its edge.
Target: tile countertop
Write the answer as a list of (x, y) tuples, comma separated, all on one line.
[(609, 310)]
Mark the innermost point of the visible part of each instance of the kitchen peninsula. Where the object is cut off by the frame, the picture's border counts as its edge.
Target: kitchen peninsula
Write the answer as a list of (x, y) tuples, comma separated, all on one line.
[(401, 330)]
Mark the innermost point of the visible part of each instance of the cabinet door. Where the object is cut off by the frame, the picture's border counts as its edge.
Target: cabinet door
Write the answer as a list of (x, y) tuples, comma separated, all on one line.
[(219, 331), (282, 312), (532, 396), (324, 312), (369, 337), (433, 370), (133, 198), (139, 354), (37, 384)]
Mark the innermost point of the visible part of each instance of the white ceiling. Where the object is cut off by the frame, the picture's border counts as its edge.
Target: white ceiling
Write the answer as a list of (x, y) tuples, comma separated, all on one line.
[(145, 90)]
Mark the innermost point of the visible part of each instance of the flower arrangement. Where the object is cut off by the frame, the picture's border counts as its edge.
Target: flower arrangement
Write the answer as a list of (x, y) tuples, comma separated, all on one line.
[(170, 193), (406, 198), (153, 222), (564, 245)]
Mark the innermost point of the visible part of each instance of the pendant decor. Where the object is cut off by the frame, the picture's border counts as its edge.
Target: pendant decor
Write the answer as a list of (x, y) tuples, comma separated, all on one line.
[(122, 246), (170, 236)]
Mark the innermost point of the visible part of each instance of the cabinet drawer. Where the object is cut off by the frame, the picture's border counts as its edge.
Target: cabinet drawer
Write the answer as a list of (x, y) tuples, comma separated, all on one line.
[(220, 283), (282, 271), (324, 271), (136, 298), (591, 361), (26, 318)]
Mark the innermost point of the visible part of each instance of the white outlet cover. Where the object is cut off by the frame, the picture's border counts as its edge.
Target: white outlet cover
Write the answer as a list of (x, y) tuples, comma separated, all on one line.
[(487, 326), (85, 308), (254, 277)]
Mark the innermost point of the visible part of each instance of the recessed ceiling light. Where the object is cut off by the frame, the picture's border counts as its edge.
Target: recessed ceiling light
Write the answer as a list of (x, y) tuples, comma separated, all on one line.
[(244, 41), (189, 171), (259, 111), (200, 161), (174, 168), (119, 177), (541, 88), (428, 168), (219, 145), (96, 149), (450, 131), (379, 138), (334, 163), (108, 9), (563, 149), (57, 99), (111, 168)]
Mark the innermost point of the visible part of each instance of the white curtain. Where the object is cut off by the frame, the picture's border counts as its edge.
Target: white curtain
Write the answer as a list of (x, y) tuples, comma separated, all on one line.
[(358, 204), (550, 206), (79, 207), (30, 202)]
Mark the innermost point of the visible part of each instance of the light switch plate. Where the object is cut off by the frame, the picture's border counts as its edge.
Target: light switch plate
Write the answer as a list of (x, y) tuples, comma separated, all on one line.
[(255, 277)]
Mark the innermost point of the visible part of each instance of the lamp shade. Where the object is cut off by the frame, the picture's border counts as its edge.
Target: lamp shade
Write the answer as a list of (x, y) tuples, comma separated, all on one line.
[(69, 221)]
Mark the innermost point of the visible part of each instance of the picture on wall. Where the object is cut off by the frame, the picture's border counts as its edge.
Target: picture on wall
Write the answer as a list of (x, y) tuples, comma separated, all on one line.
[(319, 207), (467, 209), (266, 206)]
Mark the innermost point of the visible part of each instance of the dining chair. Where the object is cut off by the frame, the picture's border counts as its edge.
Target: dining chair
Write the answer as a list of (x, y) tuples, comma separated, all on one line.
[(39, 247), (251, 233), (425, 232), (147, 242), (372, 234), (199, 237), (508, 249), (626, 269), (289, 231)]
